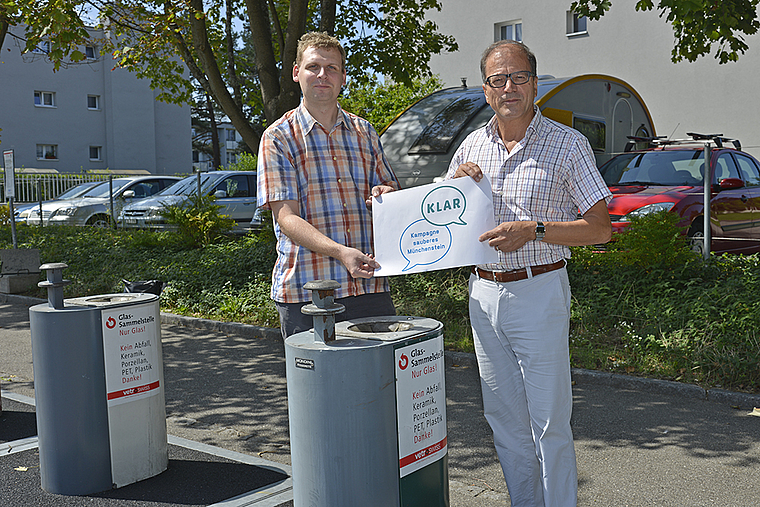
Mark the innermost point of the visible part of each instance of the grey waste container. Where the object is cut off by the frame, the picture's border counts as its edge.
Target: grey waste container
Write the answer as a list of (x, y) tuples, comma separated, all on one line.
[(368, 414), (99, 390)]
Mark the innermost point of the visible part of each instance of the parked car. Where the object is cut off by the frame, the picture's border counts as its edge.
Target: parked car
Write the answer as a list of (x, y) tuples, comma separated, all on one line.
[(235, 192), (669, 176), (93, 208), (21, 213)]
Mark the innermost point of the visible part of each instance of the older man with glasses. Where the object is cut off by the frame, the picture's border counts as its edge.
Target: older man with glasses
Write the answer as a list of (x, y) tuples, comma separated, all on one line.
[(542, 174)]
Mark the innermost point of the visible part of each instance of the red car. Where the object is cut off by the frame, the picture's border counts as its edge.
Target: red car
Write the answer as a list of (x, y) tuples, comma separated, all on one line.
[(669, 176)]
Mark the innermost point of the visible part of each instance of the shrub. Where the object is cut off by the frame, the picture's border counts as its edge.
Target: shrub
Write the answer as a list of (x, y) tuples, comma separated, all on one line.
[(198, 220)]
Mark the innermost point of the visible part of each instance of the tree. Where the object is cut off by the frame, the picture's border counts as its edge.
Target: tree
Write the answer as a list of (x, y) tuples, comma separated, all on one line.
[(171, 41), (697, 24)]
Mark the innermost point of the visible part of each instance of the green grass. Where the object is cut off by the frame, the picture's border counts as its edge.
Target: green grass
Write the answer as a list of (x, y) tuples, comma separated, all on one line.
[(652, 309)]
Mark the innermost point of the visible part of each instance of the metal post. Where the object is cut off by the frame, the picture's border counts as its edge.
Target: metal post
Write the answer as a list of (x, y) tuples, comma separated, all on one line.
[(54, 283), (11, 212), (323, 309), (39, 196), (707, 191), (110, 196), (198, 182)]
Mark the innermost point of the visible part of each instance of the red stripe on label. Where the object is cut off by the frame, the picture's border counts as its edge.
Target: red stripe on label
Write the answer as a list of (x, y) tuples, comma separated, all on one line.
[(132, 391), (422, 453)]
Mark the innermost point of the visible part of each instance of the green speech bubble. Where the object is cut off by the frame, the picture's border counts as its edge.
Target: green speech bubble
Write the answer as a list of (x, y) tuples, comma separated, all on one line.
[(443, 206)]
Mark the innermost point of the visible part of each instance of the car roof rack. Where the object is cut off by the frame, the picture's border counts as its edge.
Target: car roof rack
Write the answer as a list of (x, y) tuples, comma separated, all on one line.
[(654, 142)]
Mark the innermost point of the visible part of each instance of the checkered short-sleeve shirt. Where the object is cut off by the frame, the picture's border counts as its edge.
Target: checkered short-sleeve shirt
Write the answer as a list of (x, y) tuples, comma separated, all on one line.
[(551, 175), (330, 173)]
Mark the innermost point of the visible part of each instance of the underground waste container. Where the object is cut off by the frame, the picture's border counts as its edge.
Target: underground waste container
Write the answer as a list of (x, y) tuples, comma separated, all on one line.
[(367, 414), (99, 389)]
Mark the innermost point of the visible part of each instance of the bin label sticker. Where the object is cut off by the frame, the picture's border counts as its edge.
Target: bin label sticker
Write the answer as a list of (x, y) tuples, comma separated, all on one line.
[(420, 404), (130, 346)]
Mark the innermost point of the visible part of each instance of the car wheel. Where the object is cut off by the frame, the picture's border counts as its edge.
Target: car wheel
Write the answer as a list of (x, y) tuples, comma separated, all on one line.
[(697, 239), (103, 221)]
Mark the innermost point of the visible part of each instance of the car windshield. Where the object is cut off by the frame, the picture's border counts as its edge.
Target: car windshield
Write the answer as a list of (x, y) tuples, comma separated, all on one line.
[(189, 185), (664, 168), (103, 189), (77, 190)]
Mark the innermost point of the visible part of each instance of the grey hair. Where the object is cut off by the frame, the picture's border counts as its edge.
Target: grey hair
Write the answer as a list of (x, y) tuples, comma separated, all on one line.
[(504, 43)]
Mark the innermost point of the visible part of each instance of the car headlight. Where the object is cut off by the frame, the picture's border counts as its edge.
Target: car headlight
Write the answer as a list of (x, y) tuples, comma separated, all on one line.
[(63, 212), (25, 213), (645, 210), (153, 213)]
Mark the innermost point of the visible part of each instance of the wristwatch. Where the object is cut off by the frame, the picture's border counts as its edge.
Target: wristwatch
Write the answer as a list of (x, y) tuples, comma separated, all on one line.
[(540, 230)]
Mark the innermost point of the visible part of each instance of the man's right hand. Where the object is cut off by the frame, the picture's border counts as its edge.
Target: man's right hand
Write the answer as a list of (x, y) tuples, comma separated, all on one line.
[(358, 264), (469, 169)]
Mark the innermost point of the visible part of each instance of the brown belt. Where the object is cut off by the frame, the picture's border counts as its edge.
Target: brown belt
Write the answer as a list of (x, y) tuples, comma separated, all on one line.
[(517, 274)]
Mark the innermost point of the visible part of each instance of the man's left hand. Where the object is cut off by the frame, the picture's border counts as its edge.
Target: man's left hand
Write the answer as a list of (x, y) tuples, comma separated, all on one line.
[(378, 191)]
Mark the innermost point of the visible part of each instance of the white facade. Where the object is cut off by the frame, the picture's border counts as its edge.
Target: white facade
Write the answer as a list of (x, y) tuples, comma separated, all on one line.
[(703, 96), (87, 116)]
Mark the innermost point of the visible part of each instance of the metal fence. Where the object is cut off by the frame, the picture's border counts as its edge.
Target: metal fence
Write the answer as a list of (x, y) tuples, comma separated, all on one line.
[(35, 187)]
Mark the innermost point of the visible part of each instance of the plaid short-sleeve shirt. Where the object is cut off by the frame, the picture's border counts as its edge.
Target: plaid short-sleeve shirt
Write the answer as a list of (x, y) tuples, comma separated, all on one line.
[(330, 173), (551, 176)]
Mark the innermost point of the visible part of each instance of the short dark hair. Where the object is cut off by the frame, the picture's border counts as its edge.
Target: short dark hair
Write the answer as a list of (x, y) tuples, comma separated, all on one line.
[(504, 43), (320, 40)]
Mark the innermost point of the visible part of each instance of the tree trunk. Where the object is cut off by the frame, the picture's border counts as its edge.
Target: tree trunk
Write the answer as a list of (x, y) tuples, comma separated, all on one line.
[(207, 62), (327, 16), (216, 156)]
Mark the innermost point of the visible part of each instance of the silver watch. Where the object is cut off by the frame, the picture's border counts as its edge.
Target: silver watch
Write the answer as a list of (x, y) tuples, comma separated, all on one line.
[(540, 231)]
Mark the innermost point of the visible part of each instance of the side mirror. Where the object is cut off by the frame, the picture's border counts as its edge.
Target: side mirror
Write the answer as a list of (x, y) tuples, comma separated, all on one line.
[(128, 194), (729, 183), (220, 194)]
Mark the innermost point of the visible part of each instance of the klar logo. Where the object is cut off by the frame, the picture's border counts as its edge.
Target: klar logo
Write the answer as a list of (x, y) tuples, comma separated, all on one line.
[(111, 323), (403, 362)]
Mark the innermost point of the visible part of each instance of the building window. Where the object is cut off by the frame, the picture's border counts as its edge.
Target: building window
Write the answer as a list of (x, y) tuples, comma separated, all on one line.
[(576, 24), (89, 52), (93, 102), (44, 99), (95, 153), (510, 30), (47, 152), (230, 135)]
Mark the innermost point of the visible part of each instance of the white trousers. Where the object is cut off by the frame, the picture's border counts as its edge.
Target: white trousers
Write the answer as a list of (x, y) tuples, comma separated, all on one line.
[(521, 332)]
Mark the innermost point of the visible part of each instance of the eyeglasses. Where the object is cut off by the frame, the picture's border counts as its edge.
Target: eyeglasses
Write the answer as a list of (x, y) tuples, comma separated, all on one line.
[(519, 78)]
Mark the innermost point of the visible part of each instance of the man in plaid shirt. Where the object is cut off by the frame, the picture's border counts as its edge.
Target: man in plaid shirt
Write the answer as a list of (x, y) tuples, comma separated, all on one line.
[(318, 168), (542, 175)]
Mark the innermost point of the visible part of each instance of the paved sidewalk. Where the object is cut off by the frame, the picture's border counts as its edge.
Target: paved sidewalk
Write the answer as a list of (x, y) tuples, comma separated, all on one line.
[(638, 442)]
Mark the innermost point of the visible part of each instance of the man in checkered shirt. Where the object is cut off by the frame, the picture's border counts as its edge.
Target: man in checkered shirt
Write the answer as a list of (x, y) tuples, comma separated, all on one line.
[(542, 174), (318, 168)]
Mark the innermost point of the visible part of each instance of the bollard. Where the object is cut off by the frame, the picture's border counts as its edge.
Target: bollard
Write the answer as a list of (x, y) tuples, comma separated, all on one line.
[(367, 409)]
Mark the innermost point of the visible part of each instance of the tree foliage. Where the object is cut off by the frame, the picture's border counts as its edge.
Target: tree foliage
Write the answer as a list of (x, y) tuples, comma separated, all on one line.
[(698, 25), (246, 69)]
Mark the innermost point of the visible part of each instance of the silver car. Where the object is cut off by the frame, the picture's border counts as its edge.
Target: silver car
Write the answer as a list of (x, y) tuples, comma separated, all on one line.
[(94, 207), (235, 192), (21, 213)]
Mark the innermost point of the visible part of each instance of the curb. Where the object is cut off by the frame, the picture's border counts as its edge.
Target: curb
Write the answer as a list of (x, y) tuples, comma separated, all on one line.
[(734, 399)]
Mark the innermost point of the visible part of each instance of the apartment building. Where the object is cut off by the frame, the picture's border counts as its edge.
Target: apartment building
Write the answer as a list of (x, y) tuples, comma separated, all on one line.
[(87, 116)]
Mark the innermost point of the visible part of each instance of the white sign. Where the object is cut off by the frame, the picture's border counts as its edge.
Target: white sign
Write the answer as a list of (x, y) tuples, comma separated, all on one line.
[(131, 349), (433, 227), (10, 174), (421, 404)]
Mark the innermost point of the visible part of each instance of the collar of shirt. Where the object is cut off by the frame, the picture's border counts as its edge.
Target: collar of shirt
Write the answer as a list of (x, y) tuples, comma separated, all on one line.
[(307, 121), (534, 128)]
